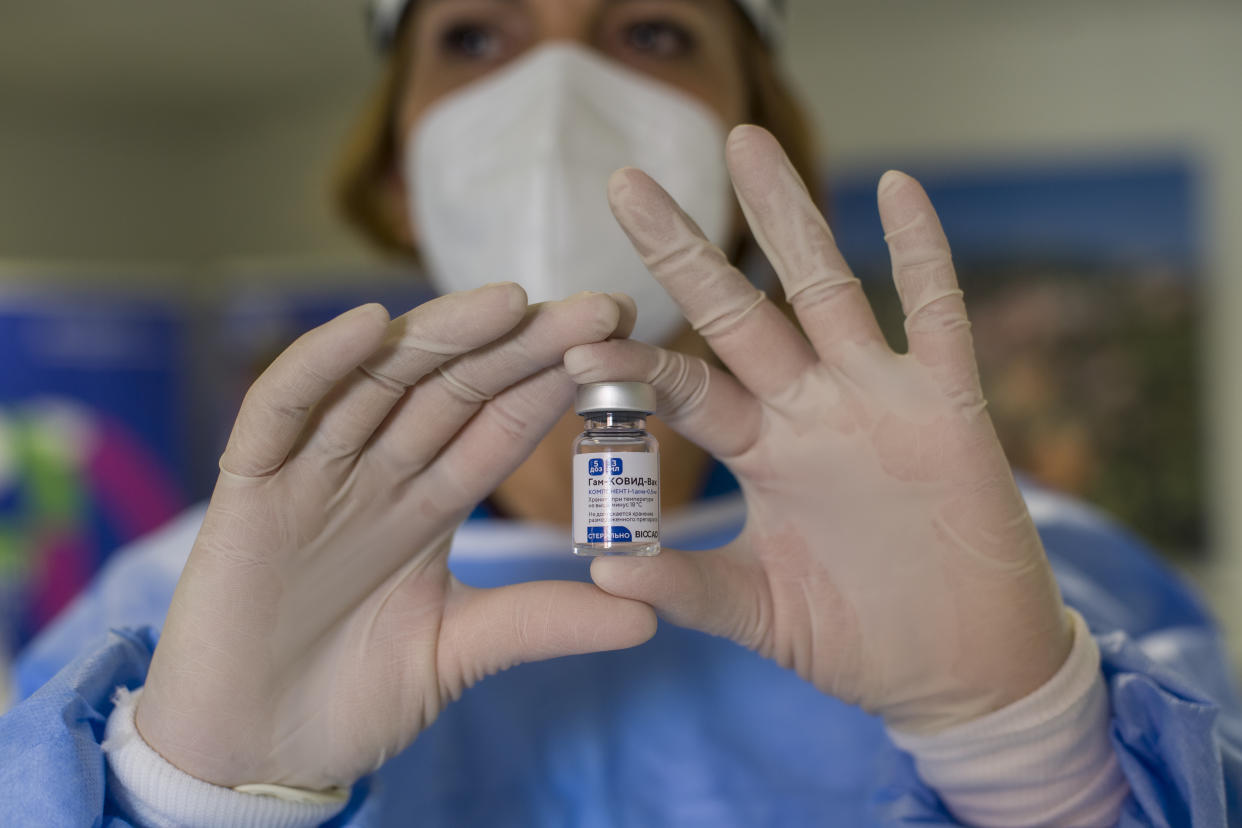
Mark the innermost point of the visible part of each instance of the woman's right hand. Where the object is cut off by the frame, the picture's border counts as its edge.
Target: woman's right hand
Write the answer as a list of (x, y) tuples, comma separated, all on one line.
[(316, 628)]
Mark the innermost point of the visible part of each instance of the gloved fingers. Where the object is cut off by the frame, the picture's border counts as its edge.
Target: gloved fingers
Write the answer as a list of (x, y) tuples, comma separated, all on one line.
[(489, 630), (936, 324), (276, 407), (749, 334), (719, 592), (704, 403), (415, 345), (792, 232), (436, 408), (495, 441), (629, 315)]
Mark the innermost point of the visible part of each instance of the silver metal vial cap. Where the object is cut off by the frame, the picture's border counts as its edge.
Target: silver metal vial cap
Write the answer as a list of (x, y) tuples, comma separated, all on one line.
[(616, 396)]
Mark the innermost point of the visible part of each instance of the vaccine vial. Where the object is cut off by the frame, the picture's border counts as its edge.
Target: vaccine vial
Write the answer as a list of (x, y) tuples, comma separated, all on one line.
[(616, 472)]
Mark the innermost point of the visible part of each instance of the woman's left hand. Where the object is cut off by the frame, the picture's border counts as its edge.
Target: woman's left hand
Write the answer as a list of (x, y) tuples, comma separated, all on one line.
[(888, 556)]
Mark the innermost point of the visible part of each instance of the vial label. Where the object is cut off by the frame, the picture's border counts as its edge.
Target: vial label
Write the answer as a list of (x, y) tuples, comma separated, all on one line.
[(616, 498)]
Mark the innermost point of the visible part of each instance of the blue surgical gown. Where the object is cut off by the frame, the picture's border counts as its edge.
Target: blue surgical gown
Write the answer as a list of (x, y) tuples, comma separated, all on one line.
[(685, 730)]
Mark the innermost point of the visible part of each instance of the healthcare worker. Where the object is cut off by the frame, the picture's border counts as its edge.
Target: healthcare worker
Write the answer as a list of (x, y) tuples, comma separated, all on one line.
[(878, 628)]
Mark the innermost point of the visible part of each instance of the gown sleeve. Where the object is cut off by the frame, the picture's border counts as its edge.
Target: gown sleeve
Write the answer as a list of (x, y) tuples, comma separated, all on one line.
[(52, 767)]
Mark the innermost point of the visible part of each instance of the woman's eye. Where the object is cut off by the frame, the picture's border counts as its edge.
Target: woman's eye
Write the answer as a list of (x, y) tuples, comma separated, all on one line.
[(472, 41), (660, 38)]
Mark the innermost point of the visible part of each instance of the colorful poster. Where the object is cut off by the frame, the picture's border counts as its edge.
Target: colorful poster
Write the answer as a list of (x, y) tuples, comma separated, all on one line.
[(92, 447)]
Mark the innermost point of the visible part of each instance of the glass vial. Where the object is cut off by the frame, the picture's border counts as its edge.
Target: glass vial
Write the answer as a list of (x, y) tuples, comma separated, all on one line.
[(616, 472)]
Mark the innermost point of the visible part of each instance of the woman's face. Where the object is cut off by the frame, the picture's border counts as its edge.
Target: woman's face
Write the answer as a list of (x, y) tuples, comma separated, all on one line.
[(690, 44)]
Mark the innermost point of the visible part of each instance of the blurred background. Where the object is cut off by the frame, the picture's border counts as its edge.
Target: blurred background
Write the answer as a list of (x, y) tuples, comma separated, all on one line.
[(165, 228)]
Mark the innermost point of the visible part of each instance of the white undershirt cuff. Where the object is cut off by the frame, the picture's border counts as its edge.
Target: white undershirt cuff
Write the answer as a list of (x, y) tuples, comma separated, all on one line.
[(1047, 759), (155, 793)]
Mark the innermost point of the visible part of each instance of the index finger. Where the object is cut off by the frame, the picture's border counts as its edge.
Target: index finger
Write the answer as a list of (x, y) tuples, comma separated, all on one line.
[(703, 403), (750, 335), (279, 402)]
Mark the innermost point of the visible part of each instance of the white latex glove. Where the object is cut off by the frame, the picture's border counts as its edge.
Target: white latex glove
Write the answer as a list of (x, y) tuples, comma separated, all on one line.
[(887, 555), (316, 628)]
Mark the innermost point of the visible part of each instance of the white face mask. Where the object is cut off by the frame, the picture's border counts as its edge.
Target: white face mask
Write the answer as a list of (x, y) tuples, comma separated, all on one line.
[(509, 178)]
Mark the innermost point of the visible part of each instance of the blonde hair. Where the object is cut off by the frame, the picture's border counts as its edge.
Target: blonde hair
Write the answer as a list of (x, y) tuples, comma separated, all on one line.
[(368, 163)]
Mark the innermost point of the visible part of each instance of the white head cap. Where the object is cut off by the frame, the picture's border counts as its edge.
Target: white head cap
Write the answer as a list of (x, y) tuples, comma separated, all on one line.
[(767, 15)]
